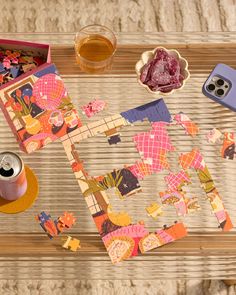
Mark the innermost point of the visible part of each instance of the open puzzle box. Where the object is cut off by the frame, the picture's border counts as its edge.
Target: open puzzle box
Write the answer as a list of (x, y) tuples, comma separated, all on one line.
[(33, 97), (54, 116)]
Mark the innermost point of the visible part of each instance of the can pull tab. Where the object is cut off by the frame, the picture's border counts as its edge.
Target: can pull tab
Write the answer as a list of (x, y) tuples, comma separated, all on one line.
[(5, 164), (5, 168)]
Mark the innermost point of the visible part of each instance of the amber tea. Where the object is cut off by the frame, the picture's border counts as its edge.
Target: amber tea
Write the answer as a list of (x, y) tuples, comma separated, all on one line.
[(94, 51), (95, 48)]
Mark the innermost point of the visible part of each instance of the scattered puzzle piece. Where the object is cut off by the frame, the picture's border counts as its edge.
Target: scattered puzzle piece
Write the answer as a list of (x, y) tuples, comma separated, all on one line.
[(228, 148), (176, 181), (140, 169), (67, 220), (190, 127), (72, 244), (114, 139), (213, 135), (47, 224), (113, 136), (192, 159), (93, 107), (154, 210)]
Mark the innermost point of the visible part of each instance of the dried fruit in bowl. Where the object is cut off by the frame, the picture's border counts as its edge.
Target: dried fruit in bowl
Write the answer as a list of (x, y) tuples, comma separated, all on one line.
[(162, 73)]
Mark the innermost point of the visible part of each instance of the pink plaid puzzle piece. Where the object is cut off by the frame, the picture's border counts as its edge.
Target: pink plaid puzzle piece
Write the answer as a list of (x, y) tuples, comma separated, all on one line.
[(190, 127), (175, 181), (93, 107), (154, 145)]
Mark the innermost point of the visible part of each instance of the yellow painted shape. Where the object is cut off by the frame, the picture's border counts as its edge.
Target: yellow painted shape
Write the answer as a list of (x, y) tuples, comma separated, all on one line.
[(27, 200)]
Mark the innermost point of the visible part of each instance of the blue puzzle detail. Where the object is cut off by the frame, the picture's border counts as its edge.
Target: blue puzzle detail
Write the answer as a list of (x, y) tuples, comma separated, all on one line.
[(15, 71), (43, 217), (2, 69), (51, 69), (154, 111)]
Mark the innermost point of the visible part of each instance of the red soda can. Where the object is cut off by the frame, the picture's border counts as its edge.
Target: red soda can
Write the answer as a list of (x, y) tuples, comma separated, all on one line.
[(13, 182)]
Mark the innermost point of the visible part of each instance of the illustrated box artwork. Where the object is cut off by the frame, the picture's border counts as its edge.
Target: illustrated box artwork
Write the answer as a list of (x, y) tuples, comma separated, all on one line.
[(35, 103)]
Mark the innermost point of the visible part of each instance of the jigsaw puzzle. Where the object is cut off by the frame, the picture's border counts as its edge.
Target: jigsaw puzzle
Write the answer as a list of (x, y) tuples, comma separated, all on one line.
[(122, 238)]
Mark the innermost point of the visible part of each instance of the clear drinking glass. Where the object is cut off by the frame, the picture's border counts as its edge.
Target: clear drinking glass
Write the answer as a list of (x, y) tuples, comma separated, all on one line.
[(95, 46)]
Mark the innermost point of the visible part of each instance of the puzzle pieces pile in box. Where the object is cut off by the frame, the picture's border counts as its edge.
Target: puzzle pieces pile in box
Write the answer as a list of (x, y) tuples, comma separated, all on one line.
[(122, 237), (36, 104), (13, 63)]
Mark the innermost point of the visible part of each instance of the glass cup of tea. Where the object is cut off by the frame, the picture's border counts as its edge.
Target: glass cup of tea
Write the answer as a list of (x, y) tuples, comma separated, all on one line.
[(95, 46)]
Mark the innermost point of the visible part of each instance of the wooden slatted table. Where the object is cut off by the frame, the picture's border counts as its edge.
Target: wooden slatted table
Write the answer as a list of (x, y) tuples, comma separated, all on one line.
[(25, 252)]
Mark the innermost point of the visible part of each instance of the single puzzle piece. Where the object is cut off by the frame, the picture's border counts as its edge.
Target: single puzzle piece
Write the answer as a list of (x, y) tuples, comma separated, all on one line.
[(192, 159), (176, 181), (93, 107), (170, 197), (192, 204), (190, 127), (228, 148), (140, 169), (67, 220), (113, 136), (154, 210), (72, 244), (213, 135), (47, 224), (154, 145), (43, 216), (114, 139)]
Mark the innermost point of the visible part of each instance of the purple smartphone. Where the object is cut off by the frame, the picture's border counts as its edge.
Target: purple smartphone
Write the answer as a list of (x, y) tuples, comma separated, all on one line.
[(220, 86)]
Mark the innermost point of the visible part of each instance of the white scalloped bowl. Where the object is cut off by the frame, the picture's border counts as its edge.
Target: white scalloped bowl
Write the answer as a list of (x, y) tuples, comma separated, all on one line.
[(148, 55)]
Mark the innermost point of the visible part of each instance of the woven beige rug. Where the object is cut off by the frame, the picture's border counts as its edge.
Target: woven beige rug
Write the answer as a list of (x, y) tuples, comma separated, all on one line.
[(125, 16)]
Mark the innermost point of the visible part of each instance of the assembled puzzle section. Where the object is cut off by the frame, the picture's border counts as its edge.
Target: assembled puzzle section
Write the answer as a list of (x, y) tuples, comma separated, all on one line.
[(122, 237)]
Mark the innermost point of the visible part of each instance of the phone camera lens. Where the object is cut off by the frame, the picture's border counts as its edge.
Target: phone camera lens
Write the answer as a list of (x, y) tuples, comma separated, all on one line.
[(211, 87), (220, 92), (220, 82)]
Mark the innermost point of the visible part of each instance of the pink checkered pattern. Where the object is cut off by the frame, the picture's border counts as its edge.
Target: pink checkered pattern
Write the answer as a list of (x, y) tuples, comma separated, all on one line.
[(175, 181), (140, 170), (154, 145), (93, 107), (189, 126), (192, 159), (49, 91)]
